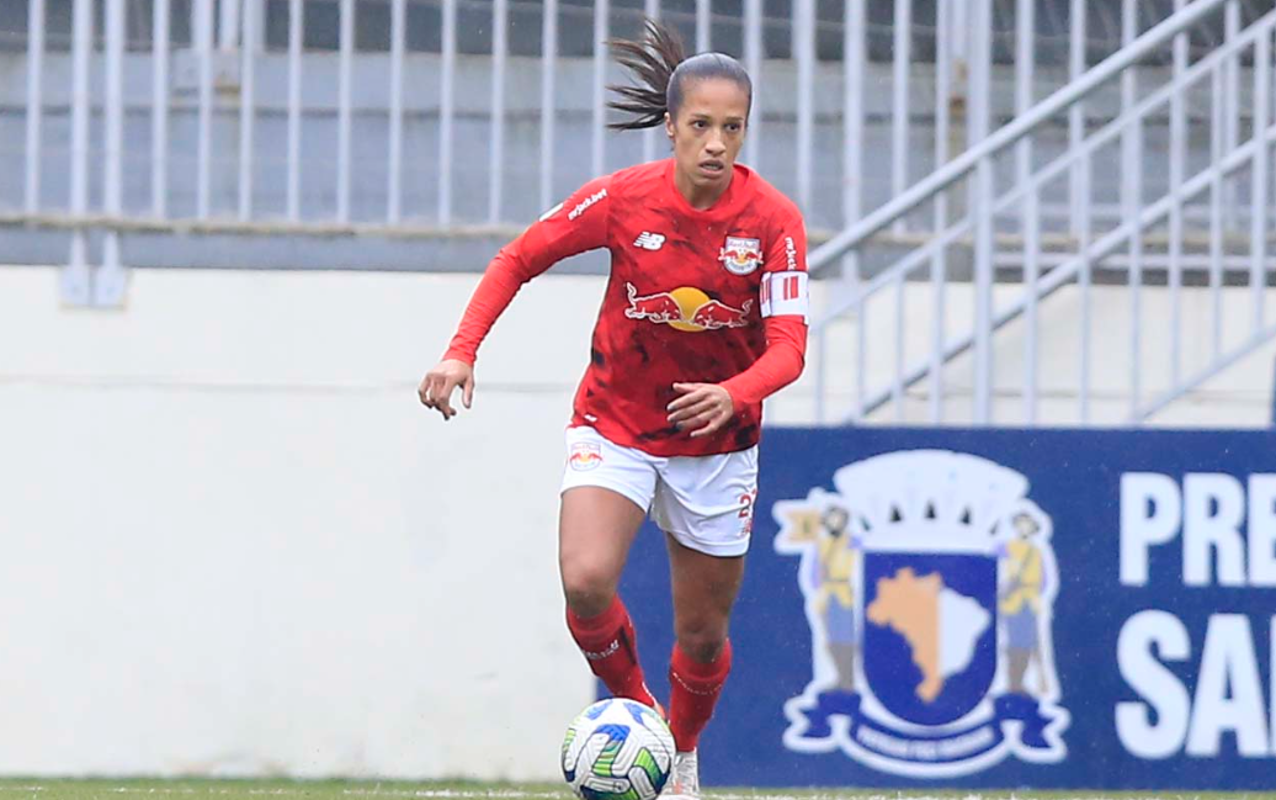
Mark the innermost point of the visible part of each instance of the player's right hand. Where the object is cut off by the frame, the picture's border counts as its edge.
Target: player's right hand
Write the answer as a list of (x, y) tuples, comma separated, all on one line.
[(437, 385)]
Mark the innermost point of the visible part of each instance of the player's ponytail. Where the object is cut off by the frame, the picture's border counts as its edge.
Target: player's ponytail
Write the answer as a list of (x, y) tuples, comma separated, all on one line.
[(659, 62), (651, 59)]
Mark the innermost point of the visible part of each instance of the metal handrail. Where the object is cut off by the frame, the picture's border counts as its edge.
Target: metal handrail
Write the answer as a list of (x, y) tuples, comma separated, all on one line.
[(1009, 134), (1100, 138), (1059, 276)]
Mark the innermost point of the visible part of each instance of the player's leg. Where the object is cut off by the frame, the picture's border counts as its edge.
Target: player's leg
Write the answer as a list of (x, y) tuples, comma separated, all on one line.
[(704, 590), (604, 501), (705, 506), (596, 527)]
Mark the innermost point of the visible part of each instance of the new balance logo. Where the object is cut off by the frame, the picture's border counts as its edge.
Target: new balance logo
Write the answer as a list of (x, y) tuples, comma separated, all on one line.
[(649, 241)]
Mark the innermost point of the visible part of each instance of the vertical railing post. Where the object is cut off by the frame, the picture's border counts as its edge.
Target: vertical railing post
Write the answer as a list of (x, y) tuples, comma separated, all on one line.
[(549, 55), (753, 64), (203, 35), (1025, 36), (447, 102), (247, 110), (901, 353), (345, 65), (981, 208), (159, 109), (1218, 114), (652, 9), (598, 149), (496, 151), (853, 55), (901, 62), (1232, 91), (109, 282), (821, 379), (76, 280), (939, 263), (804, 54), (1178, 159), (1259, 177), (398, 47), (1131, 202), (35, 103), (296, 20), (704, 26), (228, 25), (1076, 114)]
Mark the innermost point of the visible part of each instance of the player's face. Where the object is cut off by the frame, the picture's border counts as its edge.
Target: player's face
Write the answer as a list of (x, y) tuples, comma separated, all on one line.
[(709, 130)]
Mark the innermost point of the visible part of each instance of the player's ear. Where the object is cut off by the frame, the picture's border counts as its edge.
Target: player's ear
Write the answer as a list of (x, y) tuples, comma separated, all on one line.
[(669, 126)]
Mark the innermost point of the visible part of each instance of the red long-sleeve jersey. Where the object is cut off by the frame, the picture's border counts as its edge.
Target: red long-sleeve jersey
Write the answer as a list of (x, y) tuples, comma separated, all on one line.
[(695, 296)]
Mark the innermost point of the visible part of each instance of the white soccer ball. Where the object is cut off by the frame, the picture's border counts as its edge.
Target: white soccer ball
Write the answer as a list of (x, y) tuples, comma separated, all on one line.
[(618, 749)]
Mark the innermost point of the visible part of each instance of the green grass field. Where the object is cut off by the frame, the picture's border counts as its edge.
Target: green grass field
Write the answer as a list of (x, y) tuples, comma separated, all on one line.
[(103, 789)]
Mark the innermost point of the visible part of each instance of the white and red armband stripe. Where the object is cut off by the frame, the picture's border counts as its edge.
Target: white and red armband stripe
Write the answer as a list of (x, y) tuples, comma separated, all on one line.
[(785, 294)]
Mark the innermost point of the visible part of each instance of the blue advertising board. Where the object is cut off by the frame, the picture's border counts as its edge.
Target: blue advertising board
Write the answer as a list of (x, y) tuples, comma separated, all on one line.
[(996, 608)]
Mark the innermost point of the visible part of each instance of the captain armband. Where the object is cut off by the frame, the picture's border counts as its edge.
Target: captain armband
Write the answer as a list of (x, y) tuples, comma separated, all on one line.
[(785, 294)]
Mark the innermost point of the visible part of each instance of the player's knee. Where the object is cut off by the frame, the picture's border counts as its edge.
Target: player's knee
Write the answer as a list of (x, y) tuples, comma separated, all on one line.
[(587, 589), (702, 641)]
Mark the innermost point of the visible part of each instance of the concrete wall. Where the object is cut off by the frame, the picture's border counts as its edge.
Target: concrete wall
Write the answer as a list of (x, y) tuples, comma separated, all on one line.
[(234, 543)]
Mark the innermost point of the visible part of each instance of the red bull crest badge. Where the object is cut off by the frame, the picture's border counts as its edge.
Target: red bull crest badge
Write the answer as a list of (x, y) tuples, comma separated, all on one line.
[(585, 456), (741, 256), (686, 309)]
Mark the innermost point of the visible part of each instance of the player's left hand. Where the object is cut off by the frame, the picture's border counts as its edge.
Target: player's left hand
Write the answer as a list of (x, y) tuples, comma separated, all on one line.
[(703, 408)]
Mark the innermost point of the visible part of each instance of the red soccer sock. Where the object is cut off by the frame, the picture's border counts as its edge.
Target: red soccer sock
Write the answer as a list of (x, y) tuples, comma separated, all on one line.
[(611, 648), (694, 690)]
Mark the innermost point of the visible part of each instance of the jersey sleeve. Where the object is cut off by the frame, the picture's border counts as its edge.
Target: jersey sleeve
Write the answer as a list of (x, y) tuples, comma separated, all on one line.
[(578, 224), (783, 302), (784, 291)]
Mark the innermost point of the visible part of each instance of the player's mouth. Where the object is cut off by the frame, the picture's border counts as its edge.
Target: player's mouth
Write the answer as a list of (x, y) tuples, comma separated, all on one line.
[(712, 168)]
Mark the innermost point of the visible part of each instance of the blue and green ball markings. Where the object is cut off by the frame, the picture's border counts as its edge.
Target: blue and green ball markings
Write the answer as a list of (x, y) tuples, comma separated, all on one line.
[(643, 778)]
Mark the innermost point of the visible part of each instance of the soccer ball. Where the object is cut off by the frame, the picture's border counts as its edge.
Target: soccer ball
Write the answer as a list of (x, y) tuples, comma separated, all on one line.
[(617, 749)]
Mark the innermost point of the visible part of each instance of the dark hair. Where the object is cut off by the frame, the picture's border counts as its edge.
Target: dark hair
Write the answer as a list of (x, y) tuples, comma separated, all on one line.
[(659, 62)]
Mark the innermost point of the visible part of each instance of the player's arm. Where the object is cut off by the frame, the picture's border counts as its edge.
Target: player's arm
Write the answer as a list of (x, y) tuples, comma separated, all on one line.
[(574, 226), (784, 304), (705, 408)]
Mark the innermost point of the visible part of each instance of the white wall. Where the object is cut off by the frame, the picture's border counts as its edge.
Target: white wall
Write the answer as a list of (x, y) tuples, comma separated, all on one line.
[(234, 543)]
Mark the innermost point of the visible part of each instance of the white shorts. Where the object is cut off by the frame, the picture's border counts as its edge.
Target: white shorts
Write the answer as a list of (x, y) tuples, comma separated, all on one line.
[(705, 502)]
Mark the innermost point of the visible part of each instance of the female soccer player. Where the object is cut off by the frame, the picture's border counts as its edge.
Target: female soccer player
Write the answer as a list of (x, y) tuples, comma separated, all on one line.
[(703, 317)]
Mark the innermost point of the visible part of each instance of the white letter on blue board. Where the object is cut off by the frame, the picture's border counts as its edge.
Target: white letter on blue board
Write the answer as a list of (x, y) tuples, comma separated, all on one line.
[(1142, 527), (1213, 510), (1158, 687), (1262, 530), (1227, 660)]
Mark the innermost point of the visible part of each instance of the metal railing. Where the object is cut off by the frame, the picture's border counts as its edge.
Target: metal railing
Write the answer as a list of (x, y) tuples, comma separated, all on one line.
[(1005, 227), (240, 126)]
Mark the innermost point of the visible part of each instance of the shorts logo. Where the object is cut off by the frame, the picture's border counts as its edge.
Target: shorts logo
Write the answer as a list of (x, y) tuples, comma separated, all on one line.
[(686, 309), (585, 456), (741, 256), (930, 582), (649, 241)]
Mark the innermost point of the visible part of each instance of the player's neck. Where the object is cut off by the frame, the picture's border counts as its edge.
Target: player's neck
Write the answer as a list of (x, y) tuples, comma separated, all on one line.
[(699, 196)]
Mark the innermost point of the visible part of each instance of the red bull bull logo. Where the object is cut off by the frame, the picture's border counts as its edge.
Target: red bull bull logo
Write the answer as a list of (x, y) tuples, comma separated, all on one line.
[(585, 456), (686, 309), (741, 256)]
